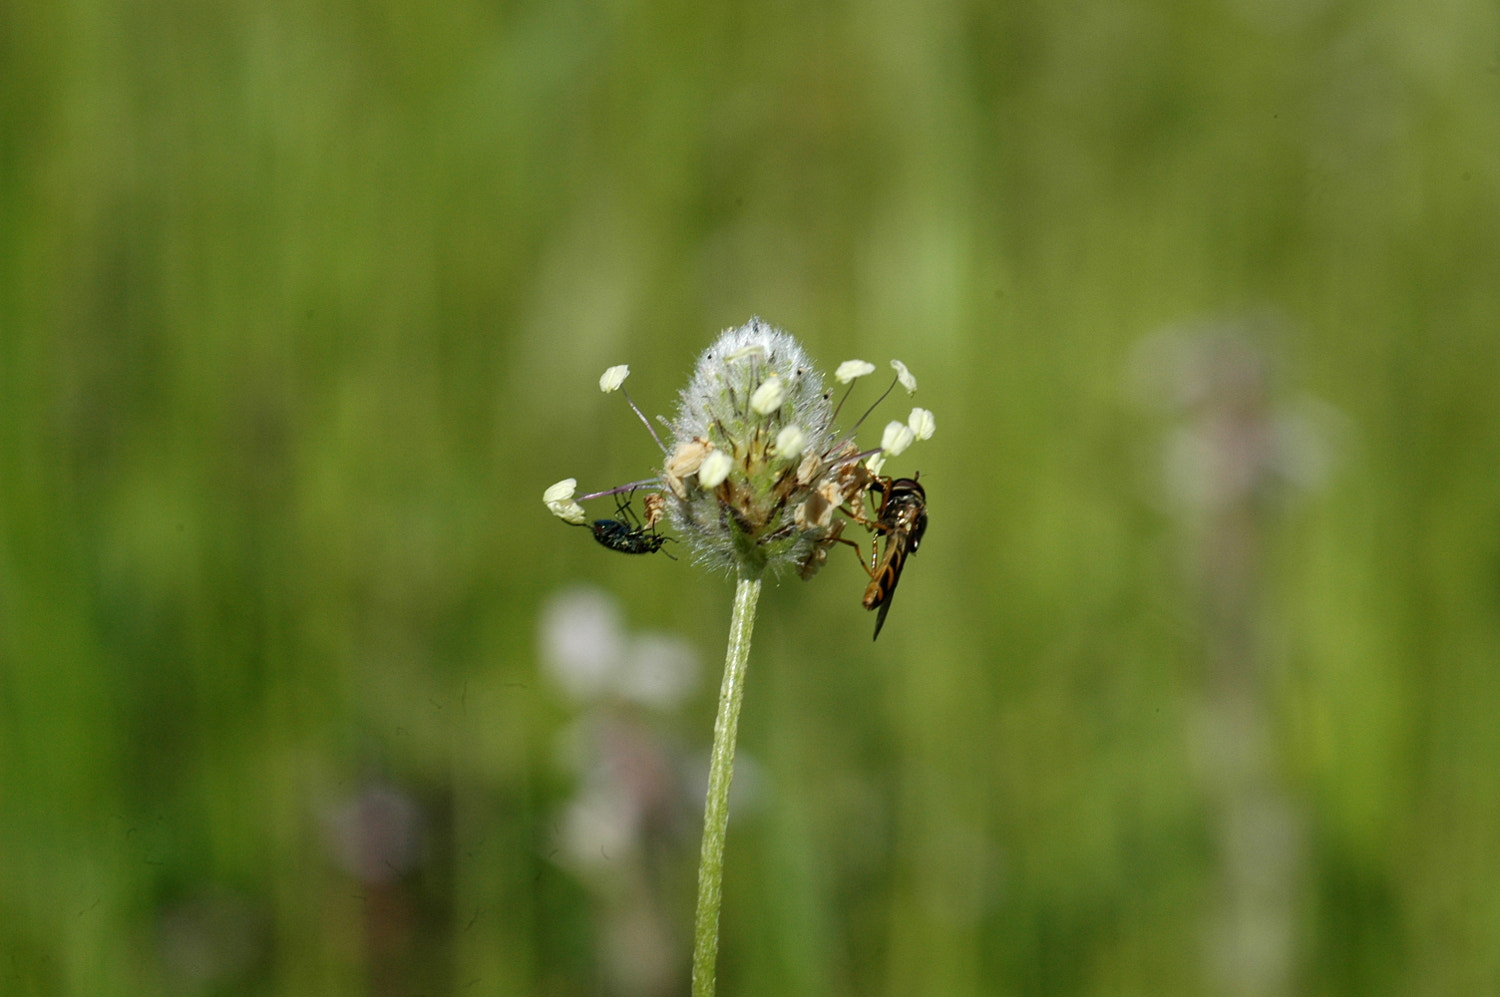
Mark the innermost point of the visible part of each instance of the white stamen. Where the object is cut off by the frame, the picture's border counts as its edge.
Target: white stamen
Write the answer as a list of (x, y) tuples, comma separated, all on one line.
[(569, 512), (768, 397), (714, 469), (850, 369), (896, 438), (791, 441), (904, 376), (922, 423), (559, 499), (613, 378)]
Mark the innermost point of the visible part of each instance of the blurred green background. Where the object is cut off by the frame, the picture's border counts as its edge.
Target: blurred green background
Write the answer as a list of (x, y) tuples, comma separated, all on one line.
[(1193, 687)]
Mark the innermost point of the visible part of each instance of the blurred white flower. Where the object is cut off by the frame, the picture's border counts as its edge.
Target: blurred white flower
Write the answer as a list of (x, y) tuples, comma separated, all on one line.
[(376, 835), (1235, 437), (659, 671), (587, 653), (582, 642)]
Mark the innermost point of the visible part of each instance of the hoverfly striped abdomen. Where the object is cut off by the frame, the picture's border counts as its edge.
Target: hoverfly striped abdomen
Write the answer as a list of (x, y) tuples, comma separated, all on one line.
[(902, 517)]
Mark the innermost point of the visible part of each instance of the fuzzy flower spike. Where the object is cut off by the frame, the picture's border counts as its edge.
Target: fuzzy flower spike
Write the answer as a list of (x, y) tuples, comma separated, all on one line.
[(754, 407), (756, 469)]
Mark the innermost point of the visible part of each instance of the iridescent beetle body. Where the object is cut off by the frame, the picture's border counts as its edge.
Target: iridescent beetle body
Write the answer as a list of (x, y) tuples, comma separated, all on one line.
[(626, 534)]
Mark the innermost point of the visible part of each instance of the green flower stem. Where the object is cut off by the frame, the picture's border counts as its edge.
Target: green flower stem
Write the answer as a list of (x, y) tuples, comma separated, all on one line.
[(721, 770)]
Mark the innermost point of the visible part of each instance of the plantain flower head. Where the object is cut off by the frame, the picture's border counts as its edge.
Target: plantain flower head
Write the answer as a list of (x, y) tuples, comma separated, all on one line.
[(753, 470), (754, 406)]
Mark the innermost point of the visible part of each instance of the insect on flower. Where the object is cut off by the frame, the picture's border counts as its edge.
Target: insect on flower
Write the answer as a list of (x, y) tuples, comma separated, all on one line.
[(627, 534), (902, 517)]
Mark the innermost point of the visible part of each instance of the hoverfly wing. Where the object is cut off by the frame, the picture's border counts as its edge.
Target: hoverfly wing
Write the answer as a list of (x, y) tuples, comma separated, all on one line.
[(882, 588), (885, 607), (904, 519)]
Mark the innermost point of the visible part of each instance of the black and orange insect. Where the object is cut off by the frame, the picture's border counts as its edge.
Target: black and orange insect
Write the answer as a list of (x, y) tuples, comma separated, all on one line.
[(627, 534), (901, 516)]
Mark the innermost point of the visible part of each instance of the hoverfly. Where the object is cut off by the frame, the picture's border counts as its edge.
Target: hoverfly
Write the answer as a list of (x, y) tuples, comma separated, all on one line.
[(902, 517), (627, 534)]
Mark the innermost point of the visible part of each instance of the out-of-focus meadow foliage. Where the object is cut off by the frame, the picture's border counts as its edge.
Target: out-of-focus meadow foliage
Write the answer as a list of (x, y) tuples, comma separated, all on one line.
[(1192, 688)]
